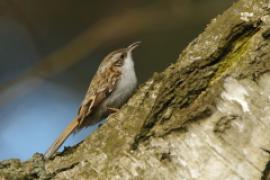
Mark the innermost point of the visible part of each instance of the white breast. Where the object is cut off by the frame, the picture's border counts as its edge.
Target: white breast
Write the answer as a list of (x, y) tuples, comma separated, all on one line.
[(126, 85)]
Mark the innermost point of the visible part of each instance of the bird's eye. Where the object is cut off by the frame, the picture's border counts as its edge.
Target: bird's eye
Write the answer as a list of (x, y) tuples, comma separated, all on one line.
[(122, 56)]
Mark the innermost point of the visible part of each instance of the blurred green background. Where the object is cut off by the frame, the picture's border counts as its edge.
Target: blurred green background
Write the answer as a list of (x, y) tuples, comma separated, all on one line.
[(50, 49)]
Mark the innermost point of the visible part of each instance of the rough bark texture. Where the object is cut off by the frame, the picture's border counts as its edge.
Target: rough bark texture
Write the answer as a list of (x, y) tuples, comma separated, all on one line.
[(205, 117)]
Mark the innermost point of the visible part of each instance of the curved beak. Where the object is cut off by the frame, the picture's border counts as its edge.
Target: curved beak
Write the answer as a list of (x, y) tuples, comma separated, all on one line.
[(133, 46)]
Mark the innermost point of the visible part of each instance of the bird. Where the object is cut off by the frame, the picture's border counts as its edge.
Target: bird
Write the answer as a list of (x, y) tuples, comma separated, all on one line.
[(112, 85)]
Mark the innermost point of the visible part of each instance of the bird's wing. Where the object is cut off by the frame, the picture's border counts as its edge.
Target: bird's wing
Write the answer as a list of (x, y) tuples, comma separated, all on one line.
[(100, 87)]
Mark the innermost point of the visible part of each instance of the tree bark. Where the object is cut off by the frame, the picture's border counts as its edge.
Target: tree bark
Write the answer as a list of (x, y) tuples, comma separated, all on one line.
[(205, 117)]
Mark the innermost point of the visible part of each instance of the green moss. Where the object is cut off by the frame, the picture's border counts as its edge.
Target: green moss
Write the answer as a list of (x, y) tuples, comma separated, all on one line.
[(238, 49)]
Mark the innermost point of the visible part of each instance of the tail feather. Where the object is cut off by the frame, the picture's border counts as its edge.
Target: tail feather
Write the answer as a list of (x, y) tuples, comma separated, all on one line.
[(61, 139)]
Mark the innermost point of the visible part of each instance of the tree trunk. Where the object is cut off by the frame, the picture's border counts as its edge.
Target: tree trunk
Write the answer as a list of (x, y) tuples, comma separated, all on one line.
[(205, 117)]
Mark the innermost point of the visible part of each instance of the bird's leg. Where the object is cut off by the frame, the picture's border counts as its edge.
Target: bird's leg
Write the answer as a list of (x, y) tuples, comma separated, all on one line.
[(113, 110)]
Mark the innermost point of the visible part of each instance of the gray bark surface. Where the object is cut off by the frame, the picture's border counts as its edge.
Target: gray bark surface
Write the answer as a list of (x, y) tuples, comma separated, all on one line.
[(207, 116)]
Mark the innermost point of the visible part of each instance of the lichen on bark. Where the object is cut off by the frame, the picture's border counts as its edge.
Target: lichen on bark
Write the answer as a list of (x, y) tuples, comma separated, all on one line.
[(204, 117)]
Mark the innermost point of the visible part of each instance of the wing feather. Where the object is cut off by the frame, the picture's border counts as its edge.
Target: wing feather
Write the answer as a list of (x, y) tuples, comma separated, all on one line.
[(102, 84)]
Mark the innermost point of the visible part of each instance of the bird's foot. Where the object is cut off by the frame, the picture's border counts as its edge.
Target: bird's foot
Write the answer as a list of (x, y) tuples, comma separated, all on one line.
[(113, 110)]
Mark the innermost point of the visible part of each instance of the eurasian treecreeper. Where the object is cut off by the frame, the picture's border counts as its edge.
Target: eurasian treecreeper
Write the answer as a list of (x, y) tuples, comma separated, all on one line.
[(113, 83)]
